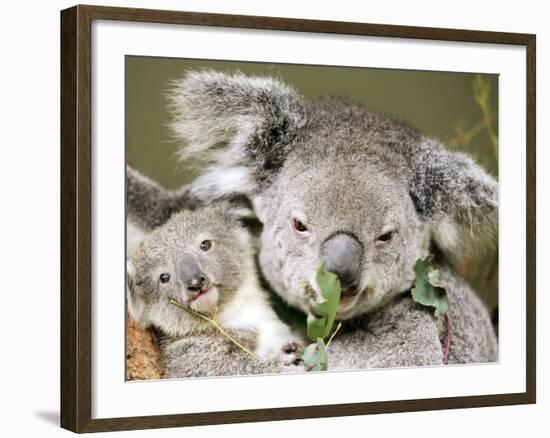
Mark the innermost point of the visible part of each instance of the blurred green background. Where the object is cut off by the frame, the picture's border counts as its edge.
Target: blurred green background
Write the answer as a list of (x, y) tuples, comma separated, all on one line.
[(459, 108)]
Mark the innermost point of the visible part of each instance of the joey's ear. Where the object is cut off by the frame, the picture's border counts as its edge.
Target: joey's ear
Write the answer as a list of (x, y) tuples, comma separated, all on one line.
[(457, 196), (135, 304), (130, 278), (240, 211), (243, 127)]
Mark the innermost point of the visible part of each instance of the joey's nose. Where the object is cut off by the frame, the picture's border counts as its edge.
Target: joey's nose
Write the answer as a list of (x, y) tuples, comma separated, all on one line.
[(344, 254), (191, 276)]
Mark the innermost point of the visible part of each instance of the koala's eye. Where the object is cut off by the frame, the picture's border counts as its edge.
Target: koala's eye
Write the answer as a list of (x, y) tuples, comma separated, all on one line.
[(299, 226), (386, 237), (164, 278), (206, 245)]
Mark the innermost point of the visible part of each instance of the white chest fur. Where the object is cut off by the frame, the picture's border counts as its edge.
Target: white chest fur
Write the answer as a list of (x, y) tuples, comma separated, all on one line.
[(251, 310)]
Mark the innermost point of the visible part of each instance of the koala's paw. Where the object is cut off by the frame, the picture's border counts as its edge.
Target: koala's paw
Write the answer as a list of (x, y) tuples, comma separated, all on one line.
[(292, 352)]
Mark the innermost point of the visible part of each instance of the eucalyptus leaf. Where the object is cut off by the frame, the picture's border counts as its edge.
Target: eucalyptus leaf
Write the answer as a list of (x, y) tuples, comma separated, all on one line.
[(320, 320), (315, 356), (315, 326), (320, 309), (331, 290), (427, 289), (433, 277)]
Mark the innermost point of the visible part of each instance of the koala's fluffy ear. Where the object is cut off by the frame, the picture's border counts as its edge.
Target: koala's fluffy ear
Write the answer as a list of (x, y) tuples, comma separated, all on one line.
[(457, 196), (135, 303), (243, 127), (240, 213)]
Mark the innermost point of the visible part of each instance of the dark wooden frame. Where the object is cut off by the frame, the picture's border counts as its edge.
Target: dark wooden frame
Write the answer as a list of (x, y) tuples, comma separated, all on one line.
[(76, 226)]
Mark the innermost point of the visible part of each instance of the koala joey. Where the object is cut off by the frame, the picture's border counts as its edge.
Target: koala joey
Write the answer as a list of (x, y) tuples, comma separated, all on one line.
[(204, 260), (330, 180)]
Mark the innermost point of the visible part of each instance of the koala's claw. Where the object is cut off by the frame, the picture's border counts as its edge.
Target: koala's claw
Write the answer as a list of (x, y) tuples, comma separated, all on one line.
[(291, 353), (291, 347)]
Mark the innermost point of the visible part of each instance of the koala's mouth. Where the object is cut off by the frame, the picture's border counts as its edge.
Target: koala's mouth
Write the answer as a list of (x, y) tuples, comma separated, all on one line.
[(348, 299), (350, 292), (348, 296)]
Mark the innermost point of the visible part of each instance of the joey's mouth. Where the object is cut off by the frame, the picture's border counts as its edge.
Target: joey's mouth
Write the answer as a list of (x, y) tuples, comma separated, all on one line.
[(205, 300), (200, 294)]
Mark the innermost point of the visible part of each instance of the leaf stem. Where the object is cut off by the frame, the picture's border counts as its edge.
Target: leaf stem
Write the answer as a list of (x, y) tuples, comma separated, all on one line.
[(215, 324), (449, 339), (334, 333)]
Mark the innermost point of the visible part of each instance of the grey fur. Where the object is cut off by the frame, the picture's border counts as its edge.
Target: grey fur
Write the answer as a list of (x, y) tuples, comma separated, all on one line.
[(253, 138), (404, 330), (151, 205), (190, 345), (212, 355), (340, 168)]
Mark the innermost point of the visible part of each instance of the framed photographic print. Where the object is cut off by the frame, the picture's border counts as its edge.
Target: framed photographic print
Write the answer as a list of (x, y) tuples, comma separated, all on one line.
[(268, 218)]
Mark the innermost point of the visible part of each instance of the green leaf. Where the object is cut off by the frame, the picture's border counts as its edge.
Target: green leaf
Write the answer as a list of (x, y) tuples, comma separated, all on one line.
[(320, 309), (433, 277), (315, 326), (322, 314), (427, 289), (315, 356), (320, 320), (331, 290)]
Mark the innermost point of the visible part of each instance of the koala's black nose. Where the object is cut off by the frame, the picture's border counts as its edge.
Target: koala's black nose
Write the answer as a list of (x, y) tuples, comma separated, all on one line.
[(343, 254), (191, 275)]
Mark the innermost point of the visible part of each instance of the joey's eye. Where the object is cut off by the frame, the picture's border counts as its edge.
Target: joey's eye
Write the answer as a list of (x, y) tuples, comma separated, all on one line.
[(386, 237), (299, 226), (205, 245), (164, 278)]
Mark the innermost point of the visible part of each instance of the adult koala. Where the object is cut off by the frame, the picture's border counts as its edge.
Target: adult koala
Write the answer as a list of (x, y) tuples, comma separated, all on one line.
[(331, 180)]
